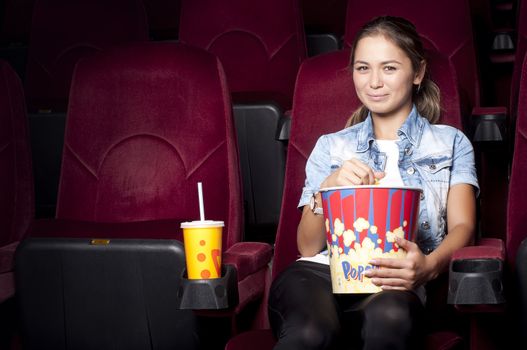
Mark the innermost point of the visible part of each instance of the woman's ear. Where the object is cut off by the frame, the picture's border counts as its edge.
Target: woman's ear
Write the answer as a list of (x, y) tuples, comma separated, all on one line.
[(420, 74)]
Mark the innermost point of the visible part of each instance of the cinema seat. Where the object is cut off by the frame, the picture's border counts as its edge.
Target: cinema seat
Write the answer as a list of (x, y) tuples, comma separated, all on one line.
[(516, 218), (324, 99), (261, 46), (16, 189), (145, 123), (16, 176)]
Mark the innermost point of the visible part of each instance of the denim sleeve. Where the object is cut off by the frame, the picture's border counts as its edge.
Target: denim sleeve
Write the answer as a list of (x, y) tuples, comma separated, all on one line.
[(318, 167), (463, 165)]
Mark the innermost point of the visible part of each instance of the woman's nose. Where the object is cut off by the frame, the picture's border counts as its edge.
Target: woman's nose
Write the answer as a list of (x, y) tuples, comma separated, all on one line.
[(375, 80)]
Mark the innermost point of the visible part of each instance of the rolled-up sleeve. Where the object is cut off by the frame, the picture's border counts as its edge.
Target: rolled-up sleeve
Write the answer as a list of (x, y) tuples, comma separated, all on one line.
[(318, 167), (463, 164)]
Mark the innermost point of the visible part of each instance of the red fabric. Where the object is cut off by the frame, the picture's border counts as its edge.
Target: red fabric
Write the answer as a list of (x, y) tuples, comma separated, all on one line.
[(455, 39), (16, 174), (517, 202), (63, 31), (140, 135), (260, 43), (264, 340), (324, 99), (254, 340), (7, 257), (489, 110), (490, 248), (520, 50), (162, 229), (248, 257)]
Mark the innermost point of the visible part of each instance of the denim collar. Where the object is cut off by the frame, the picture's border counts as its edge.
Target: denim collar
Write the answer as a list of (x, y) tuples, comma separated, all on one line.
[(412, 129)]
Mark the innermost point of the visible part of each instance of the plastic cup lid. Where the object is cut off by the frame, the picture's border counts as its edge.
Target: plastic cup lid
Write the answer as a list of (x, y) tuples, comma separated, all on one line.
[(205, 223)]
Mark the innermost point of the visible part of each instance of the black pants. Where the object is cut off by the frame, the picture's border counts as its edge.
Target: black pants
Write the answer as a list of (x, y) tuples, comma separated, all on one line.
[(305, 314)]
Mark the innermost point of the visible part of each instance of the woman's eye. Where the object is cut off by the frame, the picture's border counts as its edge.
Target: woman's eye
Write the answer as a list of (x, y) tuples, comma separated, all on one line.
[(390, 68), (361, 68)]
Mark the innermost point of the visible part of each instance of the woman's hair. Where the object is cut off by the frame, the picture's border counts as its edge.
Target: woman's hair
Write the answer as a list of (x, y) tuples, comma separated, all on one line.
[(403, 34)]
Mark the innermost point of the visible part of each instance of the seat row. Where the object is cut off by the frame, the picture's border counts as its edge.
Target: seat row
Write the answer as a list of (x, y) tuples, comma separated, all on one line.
[(146, 121)]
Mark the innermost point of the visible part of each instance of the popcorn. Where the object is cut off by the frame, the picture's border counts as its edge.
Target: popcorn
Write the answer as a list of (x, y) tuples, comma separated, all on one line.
[(361, 224), (349, 237), (339, 227)]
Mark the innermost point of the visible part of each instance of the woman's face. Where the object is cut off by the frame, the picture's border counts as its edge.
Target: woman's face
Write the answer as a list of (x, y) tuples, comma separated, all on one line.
[(384, 77)]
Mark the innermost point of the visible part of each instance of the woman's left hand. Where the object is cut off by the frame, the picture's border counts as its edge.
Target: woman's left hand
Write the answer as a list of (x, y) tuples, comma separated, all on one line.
[(403, 274)]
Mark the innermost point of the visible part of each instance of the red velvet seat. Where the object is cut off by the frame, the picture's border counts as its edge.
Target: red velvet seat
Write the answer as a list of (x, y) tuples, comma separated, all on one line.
[(260, 45), (145, 123), (16, 176), (324, 98), (517, 207), (62, 32), (455, 39)]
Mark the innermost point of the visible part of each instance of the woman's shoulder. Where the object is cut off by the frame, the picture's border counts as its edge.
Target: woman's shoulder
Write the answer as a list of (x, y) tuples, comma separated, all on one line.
[(445, 134)]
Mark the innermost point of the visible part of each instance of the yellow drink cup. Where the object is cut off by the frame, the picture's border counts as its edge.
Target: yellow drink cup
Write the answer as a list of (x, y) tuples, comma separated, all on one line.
[(202, 240)]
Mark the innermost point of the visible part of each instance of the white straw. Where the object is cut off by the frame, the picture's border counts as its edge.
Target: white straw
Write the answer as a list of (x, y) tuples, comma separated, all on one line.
[(201, 208)]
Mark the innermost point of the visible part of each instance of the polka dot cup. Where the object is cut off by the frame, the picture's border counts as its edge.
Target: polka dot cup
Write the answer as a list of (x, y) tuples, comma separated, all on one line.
[(202, 241), (361, 224)]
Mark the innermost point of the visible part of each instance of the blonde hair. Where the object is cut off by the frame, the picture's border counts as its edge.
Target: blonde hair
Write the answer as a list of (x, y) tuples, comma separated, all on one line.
[(402, 33)]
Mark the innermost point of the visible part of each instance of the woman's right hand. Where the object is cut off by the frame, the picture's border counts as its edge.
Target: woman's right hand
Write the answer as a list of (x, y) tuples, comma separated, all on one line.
[(352, 172)]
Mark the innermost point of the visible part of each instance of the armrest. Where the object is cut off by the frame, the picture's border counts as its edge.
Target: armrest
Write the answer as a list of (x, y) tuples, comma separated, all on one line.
[(248, 257), (488, 124), (476, 275), (283, 131)]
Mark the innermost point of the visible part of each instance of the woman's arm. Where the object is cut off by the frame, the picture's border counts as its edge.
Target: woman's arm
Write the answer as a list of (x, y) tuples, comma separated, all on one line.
[(461, 223), (311, 237), (418, 268)]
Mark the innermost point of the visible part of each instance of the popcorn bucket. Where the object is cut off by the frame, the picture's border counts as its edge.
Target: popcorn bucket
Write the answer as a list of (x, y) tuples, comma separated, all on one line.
[(361, 224)]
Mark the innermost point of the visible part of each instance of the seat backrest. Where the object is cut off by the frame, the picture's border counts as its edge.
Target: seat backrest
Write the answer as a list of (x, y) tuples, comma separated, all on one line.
[(324, 99), (145, 123), (444, 25), (16, 174), (521, 49), (517, 203), (260, 43), (63, 31)]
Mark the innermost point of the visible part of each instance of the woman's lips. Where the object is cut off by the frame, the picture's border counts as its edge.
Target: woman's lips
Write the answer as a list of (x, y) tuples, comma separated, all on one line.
[(378, 97)]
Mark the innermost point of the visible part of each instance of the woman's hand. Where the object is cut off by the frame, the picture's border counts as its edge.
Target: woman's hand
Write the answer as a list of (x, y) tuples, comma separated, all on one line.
[(403, 274), (352, 172)]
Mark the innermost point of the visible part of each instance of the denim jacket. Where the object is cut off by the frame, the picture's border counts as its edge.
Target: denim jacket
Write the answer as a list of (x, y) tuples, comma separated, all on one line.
[(431, 157)]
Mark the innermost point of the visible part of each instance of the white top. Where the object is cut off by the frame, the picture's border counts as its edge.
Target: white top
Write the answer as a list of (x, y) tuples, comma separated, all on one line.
[(392, 175)]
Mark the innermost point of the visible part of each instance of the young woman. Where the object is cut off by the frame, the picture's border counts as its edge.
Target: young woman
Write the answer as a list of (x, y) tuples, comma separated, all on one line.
[(392, 140)]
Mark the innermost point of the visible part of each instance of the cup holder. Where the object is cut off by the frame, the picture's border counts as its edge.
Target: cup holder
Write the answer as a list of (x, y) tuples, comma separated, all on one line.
[(209, 294), (476, 281)]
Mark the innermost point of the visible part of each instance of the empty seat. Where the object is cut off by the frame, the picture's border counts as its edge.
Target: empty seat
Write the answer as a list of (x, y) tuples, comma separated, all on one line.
[(62, 32), (16, 188), (261, 44), (16, 175), (157, 121), (516, 218)]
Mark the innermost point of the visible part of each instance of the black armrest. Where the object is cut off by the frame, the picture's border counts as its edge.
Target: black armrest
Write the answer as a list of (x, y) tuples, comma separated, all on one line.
[(488, 124)]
